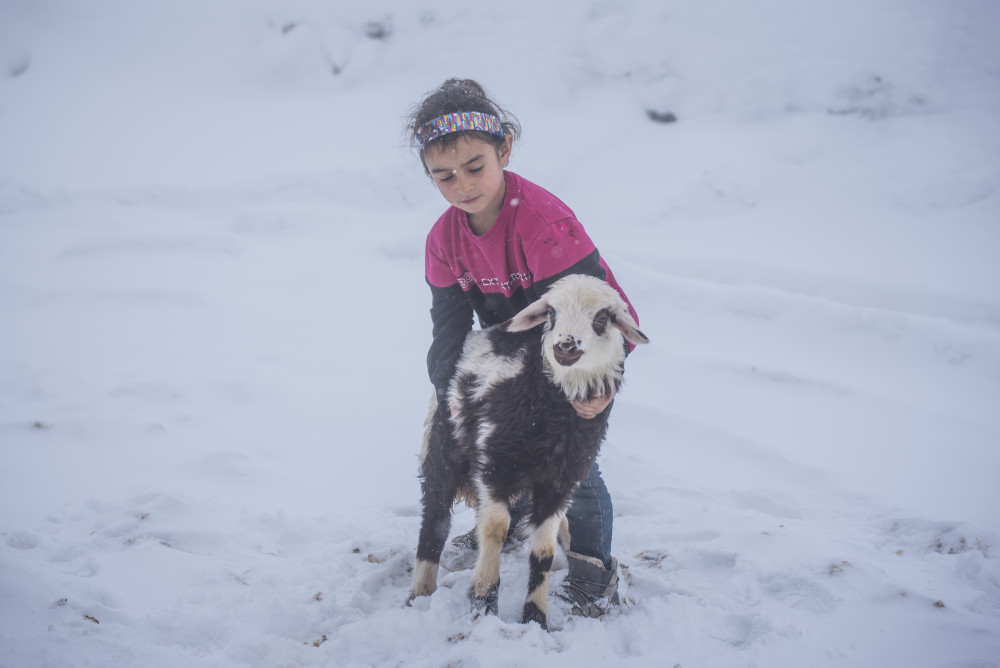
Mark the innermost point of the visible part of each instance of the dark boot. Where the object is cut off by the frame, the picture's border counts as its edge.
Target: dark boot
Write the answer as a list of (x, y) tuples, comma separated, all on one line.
[(589, 587)]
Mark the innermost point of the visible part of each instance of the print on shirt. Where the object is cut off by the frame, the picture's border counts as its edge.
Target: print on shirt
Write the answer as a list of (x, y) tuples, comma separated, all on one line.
[(466, 281)]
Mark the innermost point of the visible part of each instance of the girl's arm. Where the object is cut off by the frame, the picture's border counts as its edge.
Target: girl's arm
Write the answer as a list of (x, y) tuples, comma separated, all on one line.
[(451, 318), (590, 265)]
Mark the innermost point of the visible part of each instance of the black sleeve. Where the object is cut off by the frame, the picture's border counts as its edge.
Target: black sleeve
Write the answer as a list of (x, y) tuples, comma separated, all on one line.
[(590, 265), (451, 316)]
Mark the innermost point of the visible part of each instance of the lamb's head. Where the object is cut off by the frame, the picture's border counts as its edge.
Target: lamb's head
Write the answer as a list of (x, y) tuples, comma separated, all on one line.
[(586, 321)]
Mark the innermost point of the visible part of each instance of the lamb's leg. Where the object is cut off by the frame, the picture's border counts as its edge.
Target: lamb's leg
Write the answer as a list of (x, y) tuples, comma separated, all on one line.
[(434, 530), (440, 479), (543, 548), (492, 521)]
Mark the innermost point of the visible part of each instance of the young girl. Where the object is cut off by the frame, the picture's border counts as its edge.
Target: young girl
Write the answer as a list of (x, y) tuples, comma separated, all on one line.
[(498, 247)]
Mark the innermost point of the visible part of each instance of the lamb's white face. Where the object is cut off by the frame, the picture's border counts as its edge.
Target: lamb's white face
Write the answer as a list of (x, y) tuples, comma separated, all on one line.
[(579, 330), (586, 323)]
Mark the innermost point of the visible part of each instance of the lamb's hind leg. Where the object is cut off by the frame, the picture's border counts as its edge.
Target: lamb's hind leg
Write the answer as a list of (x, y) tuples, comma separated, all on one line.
[(543, 548), (439, 481), (434, 530), (492, 521)]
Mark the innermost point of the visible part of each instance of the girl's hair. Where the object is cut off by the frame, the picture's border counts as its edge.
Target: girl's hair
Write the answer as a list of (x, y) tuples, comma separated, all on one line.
[(456, 95)]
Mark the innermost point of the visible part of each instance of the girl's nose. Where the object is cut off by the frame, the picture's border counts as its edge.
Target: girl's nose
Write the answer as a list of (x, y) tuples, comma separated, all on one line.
[(464, 184)]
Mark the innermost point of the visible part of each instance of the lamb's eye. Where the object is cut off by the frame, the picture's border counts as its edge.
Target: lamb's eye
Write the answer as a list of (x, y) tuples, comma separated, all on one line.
[(550, 313), (601, 320)]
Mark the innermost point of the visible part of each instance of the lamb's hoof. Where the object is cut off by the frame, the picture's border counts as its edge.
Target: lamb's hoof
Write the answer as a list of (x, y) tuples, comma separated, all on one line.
[(533, 614), (488, 603)]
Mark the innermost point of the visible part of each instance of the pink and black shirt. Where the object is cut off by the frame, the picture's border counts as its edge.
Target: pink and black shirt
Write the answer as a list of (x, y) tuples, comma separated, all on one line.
[(535, 241)]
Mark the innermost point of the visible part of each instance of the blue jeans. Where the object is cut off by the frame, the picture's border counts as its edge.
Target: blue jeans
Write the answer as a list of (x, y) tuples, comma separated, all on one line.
[(590, 515), (591, 518)]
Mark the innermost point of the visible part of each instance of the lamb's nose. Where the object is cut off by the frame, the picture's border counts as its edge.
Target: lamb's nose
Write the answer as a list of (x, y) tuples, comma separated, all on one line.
[(568, 344)]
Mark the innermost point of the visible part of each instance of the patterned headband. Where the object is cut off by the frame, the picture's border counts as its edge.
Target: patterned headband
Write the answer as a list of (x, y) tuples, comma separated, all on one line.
[(457, 122)]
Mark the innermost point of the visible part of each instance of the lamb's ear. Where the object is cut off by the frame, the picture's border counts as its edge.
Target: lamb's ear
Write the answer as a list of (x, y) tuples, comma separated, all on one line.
[(530, 316), (626, 324)]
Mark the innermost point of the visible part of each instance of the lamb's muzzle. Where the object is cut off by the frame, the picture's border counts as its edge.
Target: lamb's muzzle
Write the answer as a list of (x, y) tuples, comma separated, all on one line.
[(566, 352)]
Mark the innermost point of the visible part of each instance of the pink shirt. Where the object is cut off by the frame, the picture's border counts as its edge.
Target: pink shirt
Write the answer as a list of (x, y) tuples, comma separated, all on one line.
[(535, 236)]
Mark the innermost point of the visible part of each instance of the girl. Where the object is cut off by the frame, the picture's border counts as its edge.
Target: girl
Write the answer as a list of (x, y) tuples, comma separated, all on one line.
[(498, 247)]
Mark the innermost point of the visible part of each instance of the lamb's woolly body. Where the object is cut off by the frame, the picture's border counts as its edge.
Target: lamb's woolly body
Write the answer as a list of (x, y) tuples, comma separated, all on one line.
[(519, 430), (509, 428)]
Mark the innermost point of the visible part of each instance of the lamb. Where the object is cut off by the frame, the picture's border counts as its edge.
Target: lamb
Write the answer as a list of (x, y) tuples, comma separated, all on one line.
[(508, 427)]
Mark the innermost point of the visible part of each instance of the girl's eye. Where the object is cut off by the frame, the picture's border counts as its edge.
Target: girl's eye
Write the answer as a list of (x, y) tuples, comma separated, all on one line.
[(475, 170)]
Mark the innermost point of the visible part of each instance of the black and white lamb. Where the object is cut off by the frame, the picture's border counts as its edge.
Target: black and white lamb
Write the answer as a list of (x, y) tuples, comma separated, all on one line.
[(508, 427)]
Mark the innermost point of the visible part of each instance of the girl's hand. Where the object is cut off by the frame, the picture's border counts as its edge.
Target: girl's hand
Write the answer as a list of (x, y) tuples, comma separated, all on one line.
[(588, 410)]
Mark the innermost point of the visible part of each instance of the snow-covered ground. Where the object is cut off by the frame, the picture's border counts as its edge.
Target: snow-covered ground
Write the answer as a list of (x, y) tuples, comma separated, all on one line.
[(213, 322)]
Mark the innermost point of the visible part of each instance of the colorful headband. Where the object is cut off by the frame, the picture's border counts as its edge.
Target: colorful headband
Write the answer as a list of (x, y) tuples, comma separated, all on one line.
[(457, 122)]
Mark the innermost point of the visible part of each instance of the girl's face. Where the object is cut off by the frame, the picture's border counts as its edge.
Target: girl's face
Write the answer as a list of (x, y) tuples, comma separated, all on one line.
[(469, 174)]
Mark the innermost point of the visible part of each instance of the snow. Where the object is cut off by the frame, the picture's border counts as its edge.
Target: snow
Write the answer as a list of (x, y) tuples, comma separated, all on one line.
[(214, 322)]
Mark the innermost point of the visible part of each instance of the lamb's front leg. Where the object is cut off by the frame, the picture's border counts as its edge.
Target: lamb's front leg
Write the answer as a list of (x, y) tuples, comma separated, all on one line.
[(543, 548), (493, 521)]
